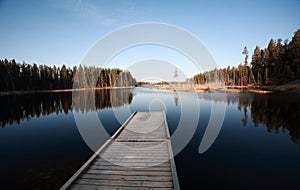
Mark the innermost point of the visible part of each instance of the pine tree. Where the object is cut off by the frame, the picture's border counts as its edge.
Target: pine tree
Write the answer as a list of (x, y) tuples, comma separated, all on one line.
[(257, 61), (294, 47), (246, 53), (64, 77)]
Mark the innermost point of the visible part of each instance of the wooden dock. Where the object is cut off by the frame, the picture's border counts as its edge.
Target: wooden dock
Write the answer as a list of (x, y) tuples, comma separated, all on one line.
[(138, 156)]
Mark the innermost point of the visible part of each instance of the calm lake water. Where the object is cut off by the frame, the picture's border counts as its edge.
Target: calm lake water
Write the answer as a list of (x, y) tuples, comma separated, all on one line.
[(258, 146)]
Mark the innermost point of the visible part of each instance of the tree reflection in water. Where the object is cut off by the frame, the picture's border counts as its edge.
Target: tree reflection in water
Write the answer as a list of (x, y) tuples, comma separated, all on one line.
[(15, 108), (278, 112)]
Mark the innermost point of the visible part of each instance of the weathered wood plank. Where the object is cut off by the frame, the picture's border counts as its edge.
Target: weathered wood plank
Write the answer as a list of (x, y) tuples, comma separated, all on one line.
[(103, 162), (145, 144), (141, 151), (114, 167), (149, 184), (126, 178), (137, 160), (129, 172), (91, 187)]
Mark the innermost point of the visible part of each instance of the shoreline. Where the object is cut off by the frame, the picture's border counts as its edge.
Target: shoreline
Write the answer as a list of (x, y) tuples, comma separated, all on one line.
[(222, 89), (21, 92), (290, 87), (293, 87)]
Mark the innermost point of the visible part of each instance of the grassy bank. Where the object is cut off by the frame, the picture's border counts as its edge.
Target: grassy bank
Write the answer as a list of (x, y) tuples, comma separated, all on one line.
[(292, 87)]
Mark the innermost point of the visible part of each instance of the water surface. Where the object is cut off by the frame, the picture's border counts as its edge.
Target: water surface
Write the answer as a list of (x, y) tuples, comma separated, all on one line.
[(257, 148)]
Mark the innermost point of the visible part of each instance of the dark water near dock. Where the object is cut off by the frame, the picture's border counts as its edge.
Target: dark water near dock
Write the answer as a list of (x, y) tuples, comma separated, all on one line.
[(258, 146)]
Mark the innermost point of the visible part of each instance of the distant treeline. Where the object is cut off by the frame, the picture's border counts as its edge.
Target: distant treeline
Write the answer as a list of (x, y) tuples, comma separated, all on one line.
[(279, 63), (16, 76)]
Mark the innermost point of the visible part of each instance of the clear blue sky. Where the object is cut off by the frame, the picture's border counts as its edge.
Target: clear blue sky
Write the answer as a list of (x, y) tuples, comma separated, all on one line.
[(61, 32)]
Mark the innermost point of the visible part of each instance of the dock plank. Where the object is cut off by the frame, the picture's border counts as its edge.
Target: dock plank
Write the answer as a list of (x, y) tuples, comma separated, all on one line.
[(138, 156)]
